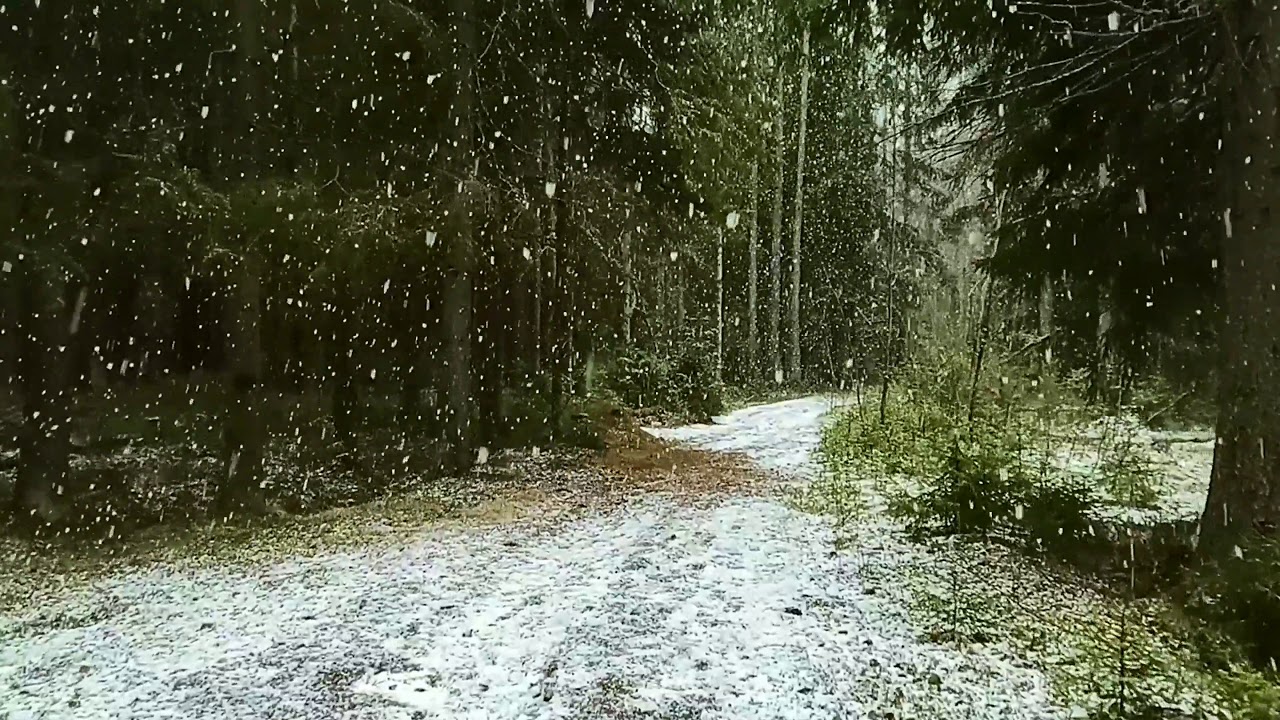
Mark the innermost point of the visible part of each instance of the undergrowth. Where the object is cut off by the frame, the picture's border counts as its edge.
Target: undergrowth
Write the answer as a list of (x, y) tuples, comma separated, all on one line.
[(1242, 596), (1020, 471), (680, 381)]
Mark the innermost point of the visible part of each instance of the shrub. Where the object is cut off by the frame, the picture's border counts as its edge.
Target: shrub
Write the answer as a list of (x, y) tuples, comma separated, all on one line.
[(696, 389), (682, 382), (1242, 595), (528, 416), (975, 492), (530, 420), (639, 379), (984, 490), (1129, 478), (1057, 516)]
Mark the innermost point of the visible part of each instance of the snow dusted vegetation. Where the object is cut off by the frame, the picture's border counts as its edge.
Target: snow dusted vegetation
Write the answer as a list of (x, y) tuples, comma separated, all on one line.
[(982, 605), (660, 609), (1180, 460)]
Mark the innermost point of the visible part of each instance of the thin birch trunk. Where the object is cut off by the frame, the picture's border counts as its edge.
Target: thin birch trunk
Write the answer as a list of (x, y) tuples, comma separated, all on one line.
[(794, 357), (775, 257), (753, 339)]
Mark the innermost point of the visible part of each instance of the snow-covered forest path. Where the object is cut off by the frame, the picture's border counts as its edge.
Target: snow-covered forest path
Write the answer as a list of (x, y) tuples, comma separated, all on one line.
[(660, 609)]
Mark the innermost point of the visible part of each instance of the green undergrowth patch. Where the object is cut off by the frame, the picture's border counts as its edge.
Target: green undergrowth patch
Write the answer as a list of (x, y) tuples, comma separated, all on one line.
[(1000, 473), (1106, 656), (1241, 595), (1004, 519), (678, 381)]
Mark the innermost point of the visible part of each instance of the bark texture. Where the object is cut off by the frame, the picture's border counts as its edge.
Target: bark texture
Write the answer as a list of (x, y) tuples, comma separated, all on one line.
[(753, 275), (244, 431), (45, 444), (1244, 492), (460, 276)]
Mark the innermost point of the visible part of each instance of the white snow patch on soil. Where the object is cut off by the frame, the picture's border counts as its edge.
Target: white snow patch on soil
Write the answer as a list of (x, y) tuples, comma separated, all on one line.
[(658, 610), (781, 436), (1181, 462)]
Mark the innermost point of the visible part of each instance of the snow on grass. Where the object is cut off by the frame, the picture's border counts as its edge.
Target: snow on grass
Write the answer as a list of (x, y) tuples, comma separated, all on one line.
[(1180, 463), (659, 609), (962, 593)]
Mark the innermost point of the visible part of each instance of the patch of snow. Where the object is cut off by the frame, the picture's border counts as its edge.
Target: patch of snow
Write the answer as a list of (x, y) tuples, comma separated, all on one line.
[(1181, 462), (780, 436), (734, 611), (992, 607)]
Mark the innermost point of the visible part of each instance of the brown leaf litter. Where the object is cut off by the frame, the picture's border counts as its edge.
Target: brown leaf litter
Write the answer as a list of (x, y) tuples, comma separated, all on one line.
[(542, 488)]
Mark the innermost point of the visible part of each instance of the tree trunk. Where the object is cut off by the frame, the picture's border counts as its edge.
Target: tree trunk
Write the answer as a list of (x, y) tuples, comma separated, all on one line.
[(891, 231), (984, 319), (461, 271), (775, 256), (753, 339), (1100, 352), (1244, 490), (10, 206), (556, 313), (719, 304), (794, 356), (538, 328), (661, 319), (680, 291), (628, 289), (43, 365), (244, 430), (490, 317), (410, 411), (1046, 323), (344, 397), (414, 357)]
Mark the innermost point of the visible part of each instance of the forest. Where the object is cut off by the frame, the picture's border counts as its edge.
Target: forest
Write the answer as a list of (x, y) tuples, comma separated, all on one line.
[(503, 359)]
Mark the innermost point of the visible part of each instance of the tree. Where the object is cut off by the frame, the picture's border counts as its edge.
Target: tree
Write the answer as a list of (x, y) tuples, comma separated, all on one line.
[(244, 431), (457, 300), (1191, 216), (46, 434), (775, 255), (794, 363), (1244, 492), (753, 278)]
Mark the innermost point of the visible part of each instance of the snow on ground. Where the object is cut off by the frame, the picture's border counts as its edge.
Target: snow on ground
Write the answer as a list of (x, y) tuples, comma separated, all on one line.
[(1180, 462), (659, 610), (984, 603), (781, 436)]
